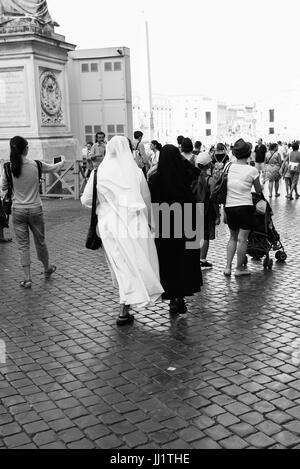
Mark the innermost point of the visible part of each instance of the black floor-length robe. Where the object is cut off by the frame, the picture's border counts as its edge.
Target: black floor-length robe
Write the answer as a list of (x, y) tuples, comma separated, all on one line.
[(180, 270)]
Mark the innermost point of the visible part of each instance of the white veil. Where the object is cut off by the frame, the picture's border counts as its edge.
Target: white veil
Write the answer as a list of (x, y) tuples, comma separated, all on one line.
[(118, 176)]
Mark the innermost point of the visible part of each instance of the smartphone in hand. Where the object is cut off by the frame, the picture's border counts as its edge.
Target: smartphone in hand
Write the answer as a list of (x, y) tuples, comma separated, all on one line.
[(57, 159)]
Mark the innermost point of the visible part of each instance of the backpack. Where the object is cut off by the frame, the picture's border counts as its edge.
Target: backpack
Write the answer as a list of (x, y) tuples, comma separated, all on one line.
[(7, 201), (200, 188), (218, 168), (219, 192)]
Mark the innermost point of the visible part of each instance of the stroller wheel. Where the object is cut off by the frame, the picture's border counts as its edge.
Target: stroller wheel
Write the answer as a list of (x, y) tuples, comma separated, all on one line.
[(281, 256)]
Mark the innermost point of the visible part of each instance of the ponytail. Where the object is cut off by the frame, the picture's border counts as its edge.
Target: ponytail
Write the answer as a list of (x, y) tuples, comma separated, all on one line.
[(18, 146), (157, 145)]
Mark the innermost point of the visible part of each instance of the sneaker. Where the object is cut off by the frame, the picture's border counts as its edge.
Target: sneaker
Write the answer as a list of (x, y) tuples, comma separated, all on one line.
[(205, 265)]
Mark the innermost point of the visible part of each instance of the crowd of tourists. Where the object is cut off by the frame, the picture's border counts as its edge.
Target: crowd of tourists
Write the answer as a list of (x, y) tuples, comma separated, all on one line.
[(148, 259)]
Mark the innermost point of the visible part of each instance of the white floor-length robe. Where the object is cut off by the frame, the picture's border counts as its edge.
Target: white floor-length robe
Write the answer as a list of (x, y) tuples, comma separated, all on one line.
[(123, 211)]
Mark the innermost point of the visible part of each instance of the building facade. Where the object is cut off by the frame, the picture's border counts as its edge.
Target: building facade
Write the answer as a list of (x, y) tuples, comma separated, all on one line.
[(197, 117), (100, 93), (279, 116)]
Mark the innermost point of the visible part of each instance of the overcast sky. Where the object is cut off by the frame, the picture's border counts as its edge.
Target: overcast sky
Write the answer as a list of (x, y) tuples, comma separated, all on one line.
[(235, 50)]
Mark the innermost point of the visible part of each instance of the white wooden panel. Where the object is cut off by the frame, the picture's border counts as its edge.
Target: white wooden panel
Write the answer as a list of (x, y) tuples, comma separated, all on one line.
[(113, 81)]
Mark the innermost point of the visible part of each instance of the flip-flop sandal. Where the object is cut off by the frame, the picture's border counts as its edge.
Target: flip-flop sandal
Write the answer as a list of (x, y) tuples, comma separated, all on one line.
[(49, 272), (227, 273), (123, 320), (26, 284)]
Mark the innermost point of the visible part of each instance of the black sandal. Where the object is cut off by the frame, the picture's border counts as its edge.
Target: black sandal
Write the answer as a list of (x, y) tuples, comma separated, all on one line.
[(123, 320)]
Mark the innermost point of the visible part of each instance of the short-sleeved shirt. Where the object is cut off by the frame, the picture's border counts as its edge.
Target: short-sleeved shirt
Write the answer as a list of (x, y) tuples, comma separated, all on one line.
[(98, 149), (260, 153), (240, 181), (26, 187)]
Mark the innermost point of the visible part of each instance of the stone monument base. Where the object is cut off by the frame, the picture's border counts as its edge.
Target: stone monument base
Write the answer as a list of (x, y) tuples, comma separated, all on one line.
[(34, 96), (46, 149)]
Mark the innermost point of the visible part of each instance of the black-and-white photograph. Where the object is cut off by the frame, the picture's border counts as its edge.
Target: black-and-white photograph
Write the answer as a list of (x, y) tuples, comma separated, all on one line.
[(149, 227)]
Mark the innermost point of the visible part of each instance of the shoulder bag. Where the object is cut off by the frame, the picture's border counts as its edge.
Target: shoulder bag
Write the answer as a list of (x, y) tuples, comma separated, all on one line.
[(93, 242)]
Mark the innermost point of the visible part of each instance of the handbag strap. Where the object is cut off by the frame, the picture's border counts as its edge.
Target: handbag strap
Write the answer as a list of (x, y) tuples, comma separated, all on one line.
[(267, 162), (94, 219), (8, 175)]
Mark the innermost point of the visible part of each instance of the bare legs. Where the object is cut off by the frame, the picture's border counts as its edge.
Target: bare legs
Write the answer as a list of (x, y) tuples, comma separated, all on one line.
[(237, 244), (271, 185), (294, 185), (288, 185)]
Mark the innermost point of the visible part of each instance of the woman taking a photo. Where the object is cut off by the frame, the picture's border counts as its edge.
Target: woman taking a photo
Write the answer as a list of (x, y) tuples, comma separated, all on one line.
[(239, 207), (27, 211)]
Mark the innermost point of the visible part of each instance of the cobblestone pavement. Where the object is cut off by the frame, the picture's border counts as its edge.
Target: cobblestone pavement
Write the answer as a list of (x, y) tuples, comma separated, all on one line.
[(225, 376)]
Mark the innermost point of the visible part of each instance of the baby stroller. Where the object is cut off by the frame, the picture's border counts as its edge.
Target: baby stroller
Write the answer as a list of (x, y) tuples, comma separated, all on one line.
[(264, 238)]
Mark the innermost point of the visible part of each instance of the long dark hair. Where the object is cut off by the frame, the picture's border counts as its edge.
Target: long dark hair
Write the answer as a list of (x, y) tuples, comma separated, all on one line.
[(157, 145), (17, 147)]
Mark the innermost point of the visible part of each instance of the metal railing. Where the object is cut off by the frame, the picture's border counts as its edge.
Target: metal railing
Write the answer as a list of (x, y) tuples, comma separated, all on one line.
[(69, 183)]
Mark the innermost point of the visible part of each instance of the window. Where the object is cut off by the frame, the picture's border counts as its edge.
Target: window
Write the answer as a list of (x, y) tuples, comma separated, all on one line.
[(85, 68), (113, 130), (94, 67), (107, 66), (272, 115), (90, 132), (271, 130), (117, 66), (208, 132), (208, 118)]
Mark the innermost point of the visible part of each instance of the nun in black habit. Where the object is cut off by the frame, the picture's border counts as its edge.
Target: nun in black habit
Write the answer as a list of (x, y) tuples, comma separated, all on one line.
[(180, 270)]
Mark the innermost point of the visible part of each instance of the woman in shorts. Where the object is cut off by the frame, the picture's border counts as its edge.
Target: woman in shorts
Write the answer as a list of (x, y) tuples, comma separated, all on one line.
[(239, 209)]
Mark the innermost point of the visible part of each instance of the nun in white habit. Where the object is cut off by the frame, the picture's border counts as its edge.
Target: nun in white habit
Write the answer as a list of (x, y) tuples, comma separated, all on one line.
[(124, 216)]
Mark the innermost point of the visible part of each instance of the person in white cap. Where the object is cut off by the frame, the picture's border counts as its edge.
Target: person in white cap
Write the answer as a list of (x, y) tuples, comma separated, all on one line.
[(203, 162)]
